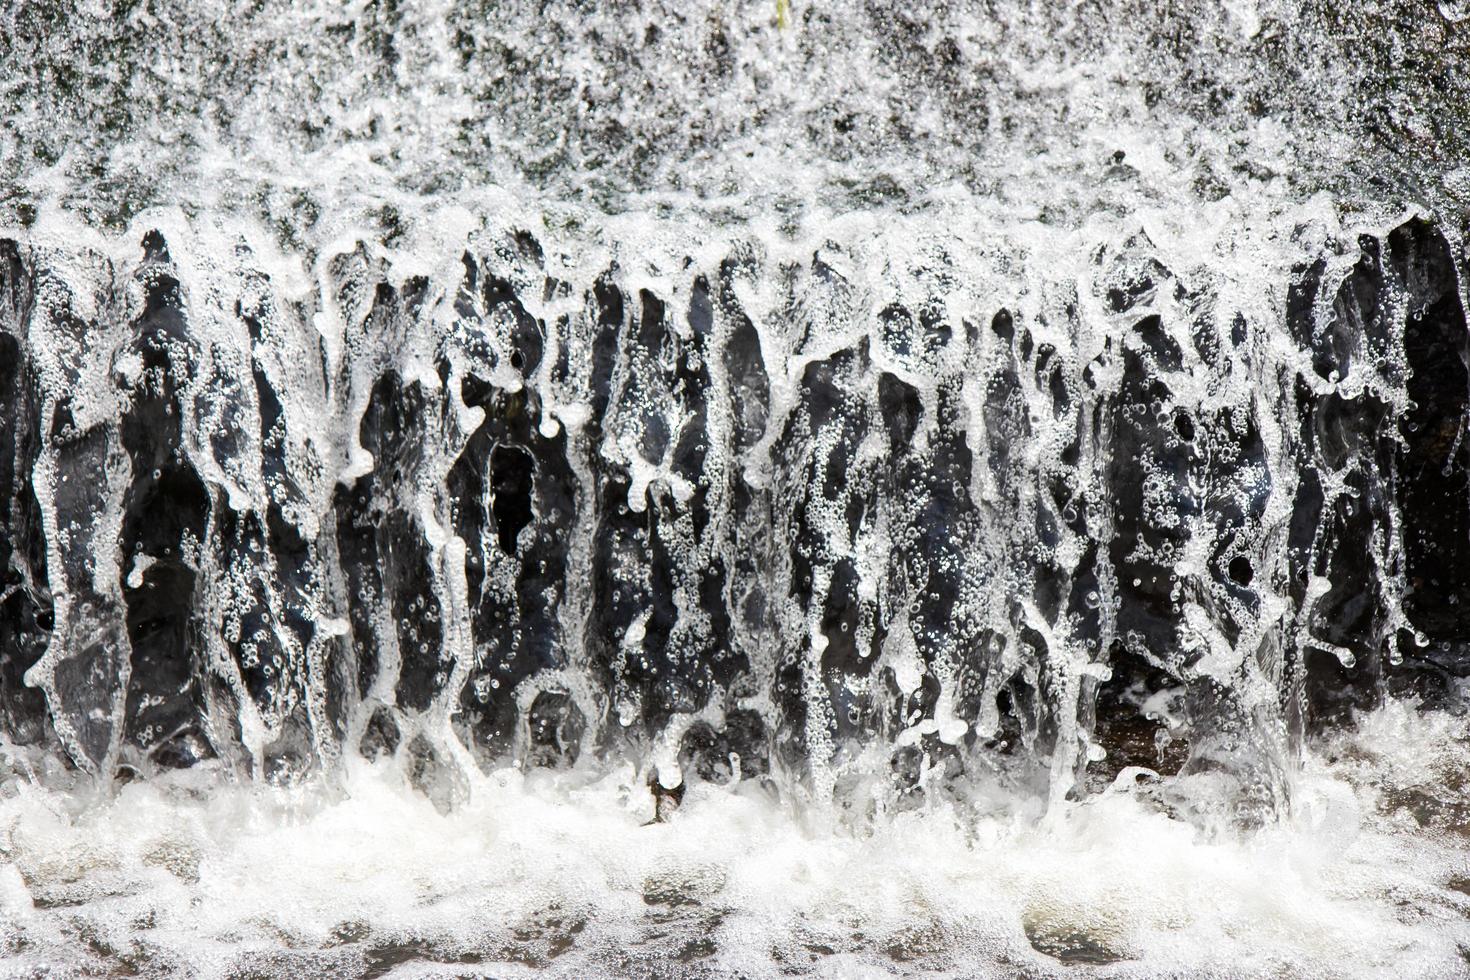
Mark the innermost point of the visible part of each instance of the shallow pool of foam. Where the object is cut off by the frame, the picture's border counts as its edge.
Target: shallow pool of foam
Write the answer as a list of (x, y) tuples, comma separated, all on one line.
[(568, 875)]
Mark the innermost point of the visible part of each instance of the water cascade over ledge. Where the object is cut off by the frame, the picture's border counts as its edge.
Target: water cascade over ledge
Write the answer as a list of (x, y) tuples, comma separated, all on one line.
[(726, 546)]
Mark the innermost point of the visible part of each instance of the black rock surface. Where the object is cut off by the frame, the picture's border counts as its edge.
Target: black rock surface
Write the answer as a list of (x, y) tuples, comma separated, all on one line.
[(519, 517)]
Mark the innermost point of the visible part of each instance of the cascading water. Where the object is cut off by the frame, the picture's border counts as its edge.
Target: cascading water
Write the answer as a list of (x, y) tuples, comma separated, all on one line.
[(848, 489)]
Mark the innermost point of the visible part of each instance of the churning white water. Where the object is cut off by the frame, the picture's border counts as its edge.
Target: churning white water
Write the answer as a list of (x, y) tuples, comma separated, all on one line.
[(567, 874), (769, 489)]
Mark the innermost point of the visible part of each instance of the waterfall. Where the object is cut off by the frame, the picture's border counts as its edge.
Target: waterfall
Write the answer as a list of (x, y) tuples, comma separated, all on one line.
[(774, 488)]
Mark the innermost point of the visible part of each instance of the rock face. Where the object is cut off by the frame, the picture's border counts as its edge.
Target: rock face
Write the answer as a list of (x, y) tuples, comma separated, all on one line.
[(743, 518)]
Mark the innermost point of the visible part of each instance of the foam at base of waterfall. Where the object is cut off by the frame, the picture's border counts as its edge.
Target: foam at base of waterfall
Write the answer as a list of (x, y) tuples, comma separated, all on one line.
[(565, 873)]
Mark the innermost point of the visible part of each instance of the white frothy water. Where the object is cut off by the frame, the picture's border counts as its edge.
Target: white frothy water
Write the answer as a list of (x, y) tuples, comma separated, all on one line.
[(566, 875)]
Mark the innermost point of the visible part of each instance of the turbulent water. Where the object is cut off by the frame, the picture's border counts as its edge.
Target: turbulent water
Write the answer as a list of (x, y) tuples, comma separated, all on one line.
[(763, 490)]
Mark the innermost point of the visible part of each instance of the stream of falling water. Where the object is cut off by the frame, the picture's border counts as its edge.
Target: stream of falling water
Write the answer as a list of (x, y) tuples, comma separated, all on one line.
[(847, 490)]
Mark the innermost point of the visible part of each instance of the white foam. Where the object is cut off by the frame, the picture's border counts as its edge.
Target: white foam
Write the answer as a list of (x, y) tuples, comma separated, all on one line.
[(185, 871)]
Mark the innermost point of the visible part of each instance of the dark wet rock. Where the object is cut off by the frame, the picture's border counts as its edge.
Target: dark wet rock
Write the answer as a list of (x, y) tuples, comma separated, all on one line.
[(434, 776), (580, 514), (556, 726), (165, 510), (1403, 472), (26, 615), (1433, 459), (381, 737), (1073, 944), (716, 755)]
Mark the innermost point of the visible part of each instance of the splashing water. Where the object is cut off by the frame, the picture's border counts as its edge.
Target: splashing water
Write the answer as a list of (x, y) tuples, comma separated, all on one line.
[(762, 491)]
